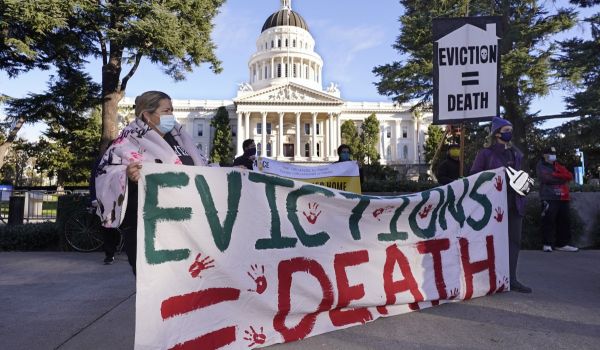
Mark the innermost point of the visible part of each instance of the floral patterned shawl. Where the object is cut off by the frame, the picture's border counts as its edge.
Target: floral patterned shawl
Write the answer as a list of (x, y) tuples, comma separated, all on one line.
[(138, 142)]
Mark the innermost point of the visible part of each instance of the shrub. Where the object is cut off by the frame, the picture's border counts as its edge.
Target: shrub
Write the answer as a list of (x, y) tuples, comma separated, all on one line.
[(42, 236)]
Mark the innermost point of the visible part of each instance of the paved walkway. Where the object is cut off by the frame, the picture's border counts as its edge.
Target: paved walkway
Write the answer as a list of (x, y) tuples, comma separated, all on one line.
[(69, 301)]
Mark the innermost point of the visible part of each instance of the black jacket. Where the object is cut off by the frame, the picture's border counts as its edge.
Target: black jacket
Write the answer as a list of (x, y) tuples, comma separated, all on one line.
[(245, 161), (448, 171)]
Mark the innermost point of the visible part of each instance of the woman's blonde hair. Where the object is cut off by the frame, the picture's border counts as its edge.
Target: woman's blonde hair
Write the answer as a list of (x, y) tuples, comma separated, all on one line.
[(148, 102)]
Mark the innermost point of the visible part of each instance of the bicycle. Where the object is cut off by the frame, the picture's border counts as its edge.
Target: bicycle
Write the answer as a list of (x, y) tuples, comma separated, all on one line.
[(83, 231)]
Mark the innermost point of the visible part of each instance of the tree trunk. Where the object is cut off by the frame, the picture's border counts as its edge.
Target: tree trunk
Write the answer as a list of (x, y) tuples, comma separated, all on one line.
[(5, 147), (111, 95)]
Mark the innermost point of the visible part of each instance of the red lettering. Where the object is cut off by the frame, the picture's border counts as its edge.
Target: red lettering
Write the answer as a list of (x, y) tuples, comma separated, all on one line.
[(182, 304), (395, 257), (348, 293), (471, 268), (435, 248), (209, 341), (285, 270)]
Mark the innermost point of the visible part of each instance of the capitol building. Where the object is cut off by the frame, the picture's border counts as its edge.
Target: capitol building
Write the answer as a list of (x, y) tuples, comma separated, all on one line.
[(288, 110)]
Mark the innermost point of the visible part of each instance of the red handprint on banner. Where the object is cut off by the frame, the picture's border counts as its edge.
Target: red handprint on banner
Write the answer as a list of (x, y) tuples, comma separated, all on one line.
[(499, 214), (200, 265), (380, 211), (453, 294), (312, 213), (499, 183), (423, 214), (259, 278), (502, 285), (255, 338)]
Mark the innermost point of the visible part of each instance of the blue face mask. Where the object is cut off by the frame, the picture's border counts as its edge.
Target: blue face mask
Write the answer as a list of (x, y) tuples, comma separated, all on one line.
[(249, 152), (344, 156), (506, 136), (167, 123)]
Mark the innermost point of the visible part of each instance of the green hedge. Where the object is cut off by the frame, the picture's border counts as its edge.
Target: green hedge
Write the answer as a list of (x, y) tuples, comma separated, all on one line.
[(40, 236)]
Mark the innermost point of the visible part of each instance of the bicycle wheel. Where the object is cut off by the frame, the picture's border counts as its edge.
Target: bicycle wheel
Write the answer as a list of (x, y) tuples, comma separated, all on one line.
[(82, 231)]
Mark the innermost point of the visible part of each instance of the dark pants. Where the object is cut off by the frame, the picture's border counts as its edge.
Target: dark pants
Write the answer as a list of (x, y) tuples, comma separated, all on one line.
[(130, 245), (556, 217), (515, 223), (111, 237)]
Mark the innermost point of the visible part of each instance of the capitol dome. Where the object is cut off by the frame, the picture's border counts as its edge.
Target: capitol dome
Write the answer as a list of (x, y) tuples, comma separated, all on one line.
[(285, 17)]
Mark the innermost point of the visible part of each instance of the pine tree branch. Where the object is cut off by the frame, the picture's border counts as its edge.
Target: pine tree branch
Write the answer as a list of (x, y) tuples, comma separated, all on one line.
[(138, 58)]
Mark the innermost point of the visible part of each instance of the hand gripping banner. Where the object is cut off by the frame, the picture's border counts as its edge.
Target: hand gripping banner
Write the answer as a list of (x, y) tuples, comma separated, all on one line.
[(236, 259)]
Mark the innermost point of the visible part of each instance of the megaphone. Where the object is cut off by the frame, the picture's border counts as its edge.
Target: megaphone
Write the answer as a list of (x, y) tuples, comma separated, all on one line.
[(520, 181)]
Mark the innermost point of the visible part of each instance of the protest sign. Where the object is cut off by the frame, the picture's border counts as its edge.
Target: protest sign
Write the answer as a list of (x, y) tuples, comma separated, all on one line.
[(236, 259), (343, 176)]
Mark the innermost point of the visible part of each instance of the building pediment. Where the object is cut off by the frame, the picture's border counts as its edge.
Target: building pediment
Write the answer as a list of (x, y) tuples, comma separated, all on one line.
[(290, 93)]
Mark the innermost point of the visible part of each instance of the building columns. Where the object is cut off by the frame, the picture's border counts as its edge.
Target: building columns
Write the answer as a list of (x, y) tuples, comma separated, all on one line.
[(328, 143), (280, 138), (239, 134), (313, 153), (246, 125), (263, 142), (297, 148)]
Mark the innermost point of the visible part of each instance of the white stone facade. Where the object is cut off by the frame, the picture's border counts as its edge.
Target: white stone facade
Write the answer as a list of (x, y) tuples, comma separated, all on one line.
[(285, 109)]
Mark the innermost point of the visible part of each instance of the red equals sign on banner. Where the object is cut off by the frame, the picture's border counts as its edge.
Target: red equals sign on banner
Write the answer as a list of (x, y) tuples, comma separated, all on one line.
[(470, 78), (182, 304)]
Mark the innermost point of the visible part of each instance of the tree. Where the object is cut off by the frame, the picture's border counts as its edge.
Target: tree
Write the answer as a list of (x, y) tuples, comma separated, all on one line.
[(435, 136), (350, 137), (174, 34), (369, 138), (221, 151), (525, 50)]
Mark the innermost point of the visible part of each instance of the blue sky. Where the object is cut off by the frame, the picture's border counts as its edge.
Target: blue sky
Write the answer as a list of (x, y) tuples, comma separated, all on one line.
[(352, 37)]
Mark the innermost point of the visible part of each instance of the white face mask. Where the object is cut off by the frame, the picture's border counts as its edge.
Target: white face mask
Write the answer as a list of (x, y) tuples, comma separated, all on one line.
[(552, 158), (167, 123)]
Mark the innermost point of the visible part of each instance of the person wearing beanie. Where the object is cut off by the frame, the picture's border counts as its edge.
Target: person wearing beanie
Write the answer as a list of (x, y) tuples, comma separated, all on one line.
[(500, 152), (554, 194), (449, 169)]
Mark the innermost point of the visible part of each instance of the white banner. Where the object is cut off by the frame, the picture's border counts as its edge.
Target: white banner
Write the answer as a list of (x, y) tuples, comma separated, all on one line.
[(236, 259), (343, 176)]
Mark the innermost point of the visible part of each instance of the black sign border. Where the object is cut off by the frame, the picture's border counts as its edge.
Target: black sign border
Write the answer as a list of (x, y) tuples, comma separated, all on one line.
[(444, 26)]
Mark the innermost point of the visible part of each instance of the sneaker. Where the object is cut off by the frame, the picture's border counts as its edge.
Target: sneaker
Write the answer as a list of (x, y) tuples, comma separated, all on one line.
[(109, 260), (547, 249), (516, 286), (567, 248)]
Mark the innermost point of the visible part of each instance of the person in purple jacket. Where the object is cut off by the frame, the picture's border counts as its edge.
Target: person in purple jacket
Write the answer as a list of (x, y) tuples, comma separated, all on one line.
[(498, 152)]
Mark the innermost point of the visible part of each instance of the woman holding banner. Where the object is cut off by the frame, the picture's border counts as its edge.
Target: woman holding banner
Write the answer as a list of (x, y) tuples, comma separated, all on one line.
[(500, 152), (154, 136)]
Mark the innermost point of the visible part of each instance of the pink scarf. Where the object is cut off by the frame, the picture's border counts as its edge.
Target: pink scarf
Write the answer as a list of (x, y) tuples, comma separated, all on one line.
[(138, 142)]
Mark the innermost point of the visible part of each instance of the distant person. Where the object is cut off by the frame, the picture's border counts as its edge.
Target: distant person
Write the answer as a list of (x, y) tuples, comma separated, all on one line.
[(153, 137), (449, 169), (499, 152), (554, 194), (344, 153), (247, 158)]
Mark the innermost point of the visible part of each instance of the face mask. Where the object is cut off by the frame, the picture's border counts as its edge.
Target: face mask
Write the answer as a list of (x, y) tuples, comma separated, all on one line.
[(552, 158), (249, 152), (506, 136), (454, 153), (167, 123), (344, 156)]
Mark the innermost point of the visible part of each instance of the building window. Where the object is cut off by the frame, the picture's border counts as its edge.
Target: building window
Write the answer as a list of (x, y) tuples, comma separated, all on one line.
[(286, 42), (269, 149), (268, 129), (266, 73), (199, 147), (278, 70), (405, 132), (234, 132), (295, 73), (388, 132), (318, 129), (307, 149), (388, 152), (318, 149), (259, 128), (258, 149), (272, 44), (294, 43), (278, 42), (200, 129), (405, 152), (306, 129)]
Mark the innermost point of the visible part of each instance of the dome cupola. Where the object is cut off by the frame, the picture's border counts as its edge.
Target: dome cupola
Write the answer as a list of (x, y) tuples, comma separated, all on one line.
[(285, 17)]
